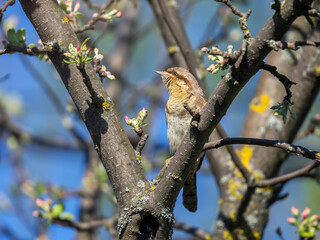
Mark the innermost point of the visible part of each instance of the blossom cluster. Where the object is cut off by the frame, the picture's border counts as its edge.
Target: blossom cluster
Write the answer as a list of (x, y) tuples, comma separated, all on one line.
[(50, 211), (138, 122), (79, 54), (109, 16), (220, 62), (307, 224)]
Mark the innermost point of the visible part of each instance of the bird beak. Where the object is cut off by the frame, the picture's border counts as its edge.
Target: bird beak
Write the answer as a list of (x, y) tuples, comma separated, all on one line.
[(165, 76), (161, 73)]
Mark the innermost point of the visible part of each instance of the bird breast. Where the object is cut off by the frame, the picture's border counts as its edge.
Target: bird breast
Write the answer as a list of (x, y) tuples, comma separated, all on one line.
[(178, 123)]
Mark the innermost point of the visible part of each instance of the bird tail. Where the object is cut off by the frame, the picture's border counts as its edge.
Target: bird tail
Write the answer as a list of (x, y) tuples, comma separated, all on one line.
[(189, 195)]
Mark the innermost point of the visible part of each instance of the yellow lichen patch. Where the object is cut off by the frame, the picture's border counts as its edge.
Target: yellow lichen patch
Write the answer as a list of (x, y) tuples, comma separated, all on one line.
[(153, 188), (233, 216), (140, 195), (318, 155), (256, 235), (66, 20), (317, 69), (220, 201), (146, 191), (172, 49), (238, 174), (233, 188), (227, 235), (260, 104), (208, 236), (245, 154), (257, 174), (105, 104)]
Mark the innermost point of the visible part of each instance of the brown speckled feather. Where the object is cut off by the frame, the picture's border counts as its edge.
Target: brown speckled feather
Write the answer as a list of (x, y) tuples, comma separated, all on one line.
[(183, 88)]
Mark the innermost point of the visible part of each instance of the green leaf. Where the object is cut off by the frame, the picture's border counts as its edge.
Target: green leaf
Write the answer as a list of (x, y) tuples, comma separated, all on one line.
[(63, 6), (40, 189), (31, 45), (13, 38), (67, 216), (85, 41), (78, 15), (57, 210), (22, 35), (66, 61), (88, 60)]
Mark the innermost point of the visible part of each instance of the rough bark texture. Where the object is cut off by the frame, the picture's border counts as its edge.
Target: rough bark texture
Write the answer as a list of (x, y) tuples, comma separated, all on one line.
[(146, 208), (266, 161), (104, 126)]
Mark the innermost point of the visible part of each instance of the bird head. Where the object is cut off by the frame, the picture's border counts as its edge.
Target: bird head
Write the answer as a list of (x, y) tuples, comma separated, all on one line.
[(180, 82)]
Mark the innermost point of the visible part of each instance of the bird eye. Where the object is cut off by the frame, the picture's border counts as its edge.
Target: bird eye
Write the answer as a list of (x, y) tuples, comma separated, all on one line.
[(175, 73)]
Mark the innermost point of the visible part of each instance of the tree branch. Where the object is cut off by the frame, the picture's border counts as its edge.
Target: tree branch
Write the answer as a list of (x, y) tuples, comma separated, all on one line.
[(5, 6), (95, 19), (220, 100), (276, 45), (104, 125), (286, 82), (295, 149), (35, 51), (196, 232)]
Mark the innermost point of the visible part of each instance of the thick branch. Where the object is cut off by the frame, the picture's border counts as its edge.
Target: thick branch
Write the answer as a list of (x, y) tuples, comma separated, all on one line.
[(108, 135), (220, 100)]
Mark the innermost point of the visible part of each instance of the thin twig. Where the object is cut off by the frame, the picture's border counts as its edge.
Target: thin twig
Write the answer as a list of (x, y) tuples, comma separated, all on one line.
[(92, 5), (35, 51), (243, 17), (298, 150), (196, 232), (287, 83), (295, 149), (20, 134), (313, 12), (233, 8), (286, 177), (276, 45), (5, 6), (85, 226), (55, 100), (179, 41), (234, 157), (94, 20), (231, 57), (142, 142)]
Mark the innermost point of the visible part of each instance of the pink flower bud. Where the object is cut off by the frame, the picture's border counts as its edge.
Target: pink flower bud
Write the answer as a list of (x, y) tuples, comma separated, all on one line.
[(39, 202), (314, 219), (294, 211), (291, 220), (127, 119), (89, 49), (113, 12), (305, 212), (317, 117), (119, 14), (35, 213), (78, 48), (77, 6), (4, 42)]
